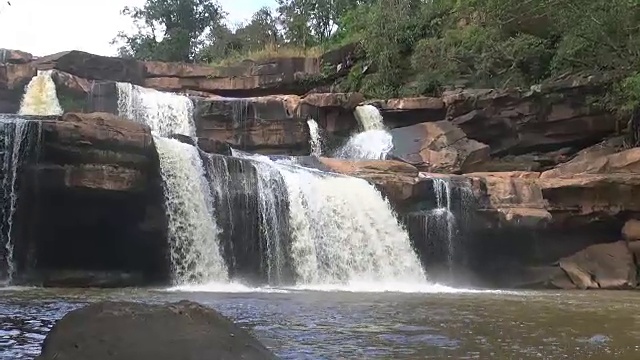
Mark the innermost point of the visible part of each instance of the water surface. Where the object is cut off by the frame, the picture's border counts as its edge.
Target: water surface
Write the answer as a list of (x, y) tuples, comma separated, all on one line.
[(305, 324)]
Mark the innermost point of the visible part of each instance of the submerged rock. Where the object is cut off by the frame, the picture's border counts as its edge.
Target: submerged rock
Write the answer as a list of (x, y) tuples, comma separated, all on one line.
[(134, 331)]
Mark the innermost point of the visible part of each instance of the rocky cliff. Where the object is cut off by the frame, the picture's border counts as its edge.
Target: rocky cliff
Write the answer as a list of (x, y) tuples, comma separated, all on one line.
[(542, 177)]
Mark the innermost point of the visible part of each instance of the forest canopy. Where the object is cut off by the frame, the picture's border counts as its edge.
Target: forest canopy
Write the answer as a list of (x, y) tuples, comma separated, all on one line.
[(414, 46)]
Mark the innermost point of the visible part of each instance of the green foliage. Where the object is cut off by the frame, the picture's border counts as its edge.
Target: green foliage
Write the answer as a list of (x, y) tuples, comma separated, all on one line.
[(169, 30), (413, 47)]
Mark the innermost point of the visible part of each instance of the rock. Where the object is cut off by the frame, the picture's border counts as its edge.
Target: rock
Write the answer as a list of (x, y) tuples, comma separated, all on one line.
[(544, 119), (582, 195), (396, 179), (246, 79), (128, 331), (514, 199), (266, 125), (347, 101), (73, 92), (90, 210), (8, 56), (602, 266), (94, 67), (624, 162), (631, 230), (437, 147), (13, 79), (410, 111)]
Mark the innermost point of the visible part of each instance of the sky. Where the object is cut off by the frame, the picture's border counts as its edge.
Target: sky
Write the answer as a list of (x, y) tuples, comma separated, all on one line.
[(44, 27)]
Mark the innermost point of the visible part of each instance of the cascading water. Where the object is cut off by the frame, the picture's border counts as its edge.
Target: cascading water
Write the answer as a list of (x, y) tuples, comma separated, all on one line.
[(16, 142), (374, 143), (40, 97), (343, 231), (193, 234), (165, 113), (315, 138), (444, 218)]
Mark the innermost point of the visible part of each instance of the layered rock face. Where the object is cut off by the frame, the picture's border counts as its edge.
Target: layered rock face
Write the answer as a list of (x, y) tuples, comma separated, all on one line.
[(90, 208)]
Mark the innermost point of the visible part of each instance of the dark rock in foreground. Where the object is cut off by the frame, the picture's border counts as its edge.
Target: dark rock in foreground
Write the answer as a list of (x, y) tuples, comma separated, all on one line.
[(134, 331)]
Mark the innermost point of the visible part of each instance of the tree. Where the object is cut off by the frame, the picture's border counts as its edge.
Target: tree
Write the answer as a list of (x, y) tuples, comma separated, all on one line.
[(261, 31), (169, 30)]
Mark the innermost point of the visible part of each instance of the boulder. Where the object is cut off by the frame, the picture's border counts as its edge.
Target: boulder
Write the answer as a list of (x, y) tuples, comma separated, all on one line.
[(545, 118), (437, 147), (631, 230), (135, 331), (601, 266), (266, 125)]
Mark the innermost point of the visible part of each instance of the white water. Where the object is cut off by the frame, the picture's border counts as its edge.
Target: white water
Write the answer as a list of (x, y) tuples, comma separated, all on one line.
[(344, 232), (193, 233), (15, 131), (165, 113), (315, 138), (40, 97), (374, 142)]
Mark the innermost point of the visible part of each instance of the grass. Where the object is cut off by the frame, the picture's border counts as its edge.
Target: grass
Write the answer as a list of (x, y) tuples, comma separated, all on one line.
[(271, 51)]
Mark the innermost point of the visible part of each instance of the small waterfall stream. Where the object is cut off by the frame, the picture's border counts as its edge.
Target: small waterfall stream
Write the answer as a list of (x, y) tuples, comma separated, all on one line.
[(315, 138), (17, 141), (373, 143), (40, 97)]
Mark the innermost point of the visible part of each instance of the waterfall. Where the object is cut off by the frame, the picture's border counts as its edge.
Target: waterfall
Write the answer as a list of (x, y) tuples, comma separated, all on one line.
[(40, 96), (315, 138), (374, 142), (165, 113), (16, 143), (343, 231), (193, 234), (443, 215)]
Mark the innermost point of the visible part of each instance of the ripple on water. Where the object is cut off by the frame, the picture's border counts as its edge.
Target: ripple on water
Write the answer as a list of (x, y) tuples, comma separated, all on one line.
[(299, 324)]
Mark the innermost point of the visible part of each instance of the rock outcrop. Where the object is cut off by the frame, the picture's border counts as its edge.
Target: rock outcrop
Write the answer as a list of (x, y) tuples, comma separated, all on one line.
[(128, 331), (91, 204), (438, 147)]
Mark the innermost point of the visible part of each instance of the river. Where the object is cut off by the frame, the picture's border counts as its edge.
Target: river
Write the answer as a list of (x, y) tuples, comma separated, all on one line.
[(304, 324)]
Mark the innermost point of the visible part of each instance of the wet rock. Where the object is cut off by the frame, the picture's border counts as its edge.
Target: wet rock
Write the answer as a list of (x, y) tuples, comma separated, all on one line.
[(8, 56), (73, 92), (631, 230), (134, 331), (601, 266), (266, 125), (91, 204), (438, 147)]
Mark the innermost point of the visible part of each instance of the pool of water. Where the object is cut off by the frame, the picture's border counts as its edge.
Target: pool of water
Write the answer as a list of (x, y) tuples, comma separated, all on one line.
[(312, 324)]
